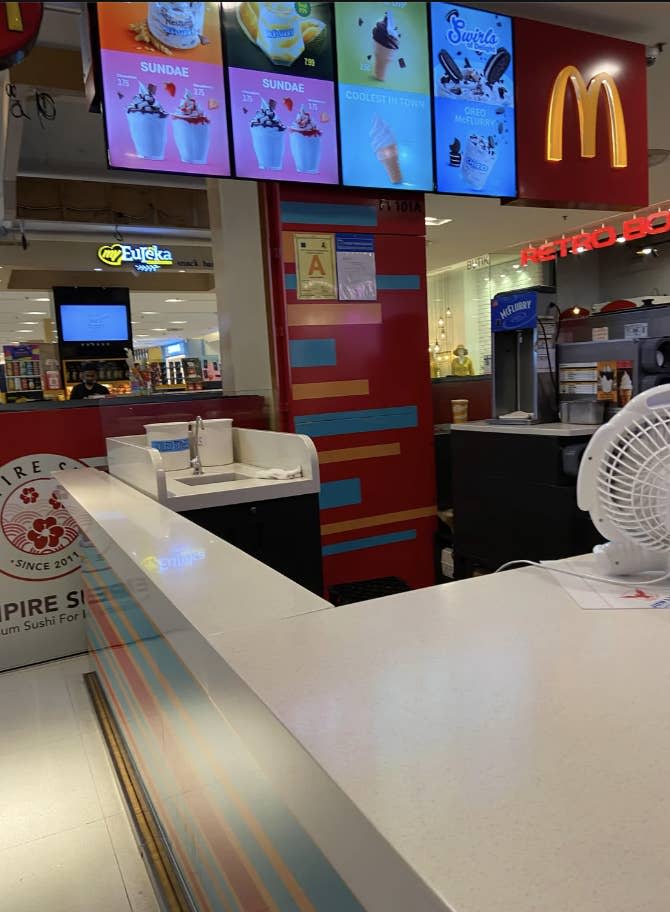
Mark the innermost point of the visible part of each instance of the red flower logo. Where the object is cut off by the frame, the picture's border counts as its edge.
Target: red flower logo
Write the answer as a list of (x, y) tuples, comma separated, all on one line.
[(45, 533), (55, 502), (29, 495)]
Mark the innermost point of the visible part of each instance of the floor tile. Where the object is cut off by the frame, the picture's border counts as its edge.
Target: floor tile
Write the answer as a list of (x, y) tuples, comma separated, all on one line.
[(104, 775), (45, 789), (134, 874), (35, 708), (72, 871)]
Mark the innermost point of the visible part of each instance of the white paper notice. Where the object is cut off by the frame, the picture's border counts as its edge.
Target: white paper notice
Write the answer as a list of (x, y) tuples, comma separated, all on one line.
[(605, 596), (356, 268)]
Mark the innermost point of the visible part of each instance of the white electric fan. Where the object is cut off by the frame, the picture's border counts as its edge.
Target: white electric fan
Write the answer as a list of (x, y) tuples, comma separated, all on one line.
[(624, 483)]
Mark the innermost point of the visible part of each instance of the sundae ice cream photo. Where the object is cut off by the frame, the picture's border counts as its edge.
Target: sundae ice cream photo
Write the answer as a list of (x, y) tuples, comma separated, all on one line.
[(147, 121), (385, 148), (305, 142), (385, 45), (267, 136), (190, 126)]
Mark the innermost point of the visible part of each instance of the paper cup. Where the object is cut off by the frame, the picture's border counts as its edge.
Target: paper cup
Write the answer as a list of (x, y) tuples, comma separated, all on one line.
[(459, 410), (171, 441)]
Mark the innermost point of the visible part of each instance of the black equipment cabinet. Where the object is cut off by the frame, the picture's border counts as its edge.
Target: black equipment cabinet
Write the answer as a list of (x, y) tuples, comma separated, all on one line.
[(283, 534), (514, 497)]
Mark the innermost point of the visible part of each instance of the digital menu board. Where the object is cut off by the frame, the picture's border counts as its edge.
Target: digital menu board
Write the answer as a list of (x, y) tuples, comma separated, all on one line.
[(163, 87), (473, 87), (384, 93), (282, 95)]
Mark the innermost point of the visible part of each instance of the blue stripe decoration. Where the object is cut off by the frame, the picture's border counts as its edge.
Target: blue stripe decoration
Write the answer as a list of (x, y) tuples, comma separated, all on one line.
[(332, 424), (328, 214), (384, 282), (398, 282), (313, 353), (340, 493), (373, 541)]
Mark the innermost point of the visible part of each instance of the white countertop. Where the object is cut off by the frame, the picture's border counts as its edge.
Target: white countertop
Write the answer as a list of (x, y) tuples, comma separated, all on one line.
[(208, 581), (483, 746), (556, 429), (513, 748)]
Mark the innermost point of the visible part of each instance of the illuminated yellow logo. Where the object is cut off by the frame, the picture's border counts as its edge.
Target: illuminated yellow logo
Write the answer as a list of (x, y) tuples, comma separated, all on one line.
[(143, 259), (587, 98), (110, 254)]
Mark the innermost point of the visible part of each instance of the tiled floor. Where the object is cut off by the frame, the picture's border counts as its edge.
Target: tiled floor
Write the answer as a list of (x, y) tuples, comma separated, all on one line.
[(65, 841)]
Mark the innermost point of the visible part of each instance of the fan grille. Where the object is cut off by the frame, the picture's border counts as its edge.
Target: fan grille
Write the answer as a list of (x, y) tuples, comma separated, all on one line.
[(634, 481)]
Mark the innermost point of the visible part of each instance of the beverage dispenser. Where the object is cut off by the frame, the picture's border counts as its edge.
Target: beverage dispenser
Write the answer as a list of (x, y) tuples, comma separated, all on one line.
[(524, 362)]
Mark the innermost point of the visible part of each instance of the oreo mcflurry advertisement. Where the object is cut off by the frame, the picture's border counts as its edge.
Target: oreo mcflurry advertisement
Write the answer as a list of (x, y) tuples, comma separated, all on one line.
[(473, 81)]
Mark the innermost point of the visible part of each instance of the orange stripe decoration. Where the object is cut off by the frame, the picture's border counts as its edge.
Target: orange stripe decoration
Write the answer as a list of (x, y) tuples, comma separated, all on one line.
[(349, 454), (358, 313), (381, 519), (330, 389), (287, 247)]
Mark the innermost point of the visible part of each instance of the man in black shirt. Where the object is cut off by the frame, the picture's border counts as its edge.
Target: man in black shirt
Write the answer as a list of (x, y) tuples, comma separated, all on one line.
[(89, 386)]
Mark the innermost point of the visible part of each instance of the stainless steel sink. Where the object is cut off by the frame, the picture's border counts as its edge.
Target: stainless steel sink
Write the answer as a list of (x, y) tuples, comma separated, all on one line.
[(216, 478)]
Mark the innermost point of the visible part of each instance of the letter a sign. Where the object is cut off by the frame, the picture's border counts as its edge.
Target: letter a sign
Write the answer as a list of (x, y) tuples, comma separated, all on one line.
[(581, 119), (315, 267)]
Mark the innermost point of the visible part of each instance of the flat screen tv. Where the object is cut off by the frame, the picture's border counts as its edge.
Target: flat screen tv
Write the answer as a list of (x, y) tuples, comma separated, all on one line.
[(94, 323)]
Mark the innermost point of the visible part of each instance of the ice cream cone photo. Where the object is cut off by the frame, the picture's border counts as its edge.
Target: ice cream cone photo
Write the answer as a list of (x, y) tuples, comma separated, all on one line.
[(385, 45), (385, 147)]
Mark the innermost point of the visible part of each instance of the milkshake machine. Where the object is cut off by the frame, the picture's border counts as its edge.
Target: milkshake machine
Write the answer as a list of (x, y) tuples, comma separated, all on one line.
[(524, 356)]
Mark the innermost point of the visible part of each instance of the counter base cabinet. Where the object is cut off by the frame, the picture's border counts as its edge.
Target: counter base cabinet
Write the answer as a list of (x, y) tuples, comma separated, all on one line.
[(284, 534), (512, 501)]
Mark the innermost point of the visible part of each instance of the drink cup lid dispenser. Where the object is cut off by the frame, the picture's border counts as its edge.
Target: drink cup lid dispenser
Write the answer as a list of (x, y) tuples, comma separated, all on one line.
[(524, 356)]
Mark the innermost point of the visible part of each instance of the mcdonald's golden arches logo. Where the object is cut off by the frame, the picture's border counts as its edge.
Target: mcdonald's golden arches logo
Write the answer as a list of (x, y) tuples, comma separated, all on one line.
[(587, 98)]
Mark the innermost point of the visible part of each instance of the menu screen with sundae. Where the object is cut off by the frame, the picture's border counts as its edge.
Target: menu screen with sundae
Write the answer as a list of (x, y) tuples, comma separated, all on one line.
[(384, 91), (282, 95), (473, 86), (163, 87)]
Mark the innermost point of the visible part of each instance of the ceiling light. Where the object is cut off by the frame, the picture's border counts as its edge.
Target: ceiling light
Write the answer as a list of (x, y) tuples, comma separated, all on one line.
[(29, 323), (149, 313), (182, 270), (159, 329), (34, 313), (448, 311), (40, 300), (97, 269), (174, 300), (644, 252), (134, 322), (432, 222), (575, 311), (177, 322), (621, 239), (24, 330), (142, 335)]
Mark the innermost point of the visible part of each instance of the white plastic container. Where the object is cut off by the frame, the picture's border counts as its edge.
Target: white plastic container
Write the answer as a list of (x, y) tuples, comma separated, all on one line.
[(171, 441), (216, 442)]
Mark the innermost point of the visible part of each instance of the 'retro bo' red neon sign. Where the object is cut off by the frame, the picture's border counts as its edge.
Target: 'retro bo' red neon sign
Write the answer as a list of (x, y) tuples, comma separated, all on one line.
[(633, 229)]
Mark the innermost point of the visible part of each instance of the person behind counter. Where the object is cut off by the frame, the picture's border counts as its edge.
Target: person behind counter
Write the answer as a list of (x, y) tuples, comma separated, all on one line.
[(461, 364), (89, 387)]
